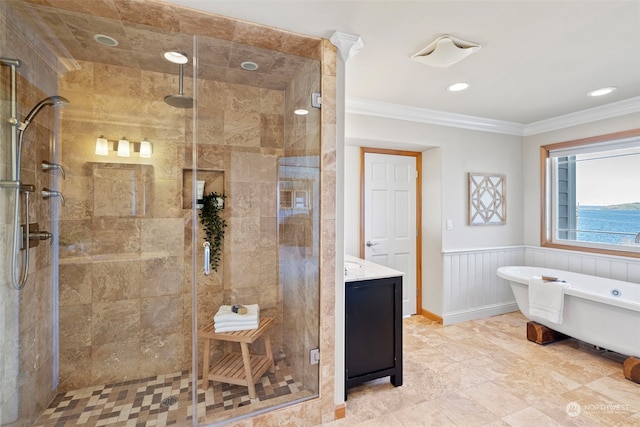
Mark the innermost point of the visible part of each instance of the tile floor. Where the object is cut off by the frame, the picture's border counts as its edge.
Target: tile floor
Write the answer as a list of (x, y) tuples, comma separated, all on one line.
[(478, 373), (486, 373), (166, 400)]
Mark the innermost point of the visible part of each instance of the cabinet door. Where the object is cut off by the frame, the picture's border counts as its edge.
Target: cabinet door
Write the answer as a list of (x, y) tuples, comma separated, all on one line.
[(369, 323)]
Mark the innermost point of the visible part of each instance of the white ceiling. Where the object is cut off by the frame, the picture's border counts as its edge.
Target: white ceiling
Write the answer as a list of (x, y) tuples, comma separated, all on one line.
[(538, 59)]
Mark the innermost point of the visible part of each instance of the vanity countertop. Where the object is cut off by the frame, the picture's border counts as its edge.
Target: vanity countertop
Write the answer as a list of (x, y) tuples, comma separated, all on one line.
[(357, 269)]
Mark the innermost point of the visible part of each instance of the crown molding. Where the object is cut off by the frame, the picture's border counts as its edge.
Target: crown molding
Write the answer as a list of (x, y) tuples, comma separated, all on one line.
[(348, 44), (608, 111), (422, 115)]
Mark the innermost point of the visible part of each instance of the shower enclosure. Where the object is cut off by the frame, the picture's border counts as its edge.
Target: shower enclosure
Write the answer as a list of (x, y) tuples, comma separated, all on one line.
[(111, 308)]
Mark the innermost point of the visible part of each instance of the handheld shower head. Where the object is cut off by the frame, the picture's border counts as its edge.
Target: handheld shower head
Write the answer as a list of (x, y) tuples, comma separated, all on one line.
[(55, 100)]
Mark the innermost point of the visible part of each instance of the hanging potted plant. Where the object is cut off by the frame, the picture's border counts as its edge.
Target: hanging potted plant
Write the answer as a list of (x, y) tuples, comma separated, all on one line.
[(214, 225)]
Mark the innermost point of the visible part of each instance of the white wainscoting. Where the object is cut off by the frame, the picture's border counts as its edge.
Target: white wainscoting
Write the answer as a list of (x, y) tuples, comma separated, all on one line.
[(611, 267), (472, 289)]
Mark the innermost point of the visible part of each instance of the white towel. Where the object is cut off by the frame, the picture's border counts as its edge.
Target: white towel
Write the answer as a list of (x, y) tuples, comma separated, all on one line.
[(232, 328), (546, 299), (225, 314), (227, 324)]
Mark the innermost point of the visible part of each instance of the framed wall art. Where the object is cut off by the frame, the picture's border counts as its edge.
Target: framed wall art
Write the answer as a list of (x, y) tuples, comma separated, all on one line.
[(487, 199)]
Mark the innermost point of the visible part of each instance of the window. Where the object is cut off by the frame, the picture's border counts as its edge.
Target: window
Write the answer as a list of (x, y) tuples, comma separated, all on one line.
[(592, 194)]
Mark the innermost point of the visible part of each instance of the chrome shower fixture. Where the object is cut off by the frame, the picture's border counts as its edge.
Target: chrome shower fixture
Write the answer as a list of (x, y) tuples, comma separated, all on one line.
[(53, 166), (55, 100), (47, 194), (179, 100), (20, 270)]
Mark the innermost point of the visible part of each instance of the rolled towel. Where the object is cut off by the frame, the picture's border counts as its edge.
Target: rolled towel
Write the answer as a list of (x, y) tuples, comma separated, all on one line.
[(227, 328), (225, 313)]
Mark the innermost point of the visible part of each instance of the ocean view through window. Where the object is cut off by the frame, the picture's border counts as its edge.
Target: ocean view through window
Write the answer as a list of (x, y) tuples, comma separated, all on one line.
[(592, 194)]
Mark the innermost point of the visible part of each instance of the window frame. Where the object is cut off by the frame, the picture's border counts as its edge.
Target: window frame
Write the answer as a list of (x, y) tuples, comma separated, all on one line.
[(547, 195)]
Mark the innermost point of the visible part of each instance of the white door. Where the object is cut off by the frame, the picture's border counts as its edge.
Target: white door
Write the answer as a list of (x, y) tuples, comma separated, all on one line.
[(390, 218)]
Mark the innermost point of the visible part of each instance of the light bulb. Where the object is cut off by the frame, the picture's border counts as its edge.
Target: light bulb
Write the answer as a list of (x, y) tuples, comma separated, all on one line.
[(145, 148), (102, 146), (123, 148)]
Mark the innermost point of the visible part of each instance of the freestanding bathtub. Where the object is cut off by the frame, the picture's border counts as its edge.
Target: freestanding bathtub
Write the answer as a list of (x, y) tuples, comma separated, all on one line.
[(599, 311)]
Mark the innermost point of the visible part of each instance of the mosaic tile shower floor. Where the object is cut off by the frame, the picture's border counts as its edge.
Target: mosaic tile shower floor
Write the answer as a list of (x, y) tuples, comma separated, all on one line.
[(166, 400)]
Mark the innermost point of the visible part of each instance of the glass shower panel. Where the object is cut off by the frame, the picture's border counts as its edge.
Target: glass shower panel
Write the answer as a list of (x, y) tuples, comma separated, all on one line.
[(125, 255), (121, 304), (117, 293), (248, 144), (8, 296)]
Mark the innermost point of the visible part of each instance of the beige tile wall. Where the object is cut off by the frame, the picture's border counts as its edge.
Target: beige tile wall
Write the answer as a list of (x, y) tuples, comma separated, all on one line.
[(104, 105), (33, 306), (125, 240)]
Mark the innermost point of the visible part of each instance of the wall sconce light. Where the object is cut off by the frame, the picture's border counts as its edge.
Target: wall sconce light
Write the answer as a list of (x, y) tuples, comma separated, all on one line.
[(123, 147), (102, 146), (145, 148)]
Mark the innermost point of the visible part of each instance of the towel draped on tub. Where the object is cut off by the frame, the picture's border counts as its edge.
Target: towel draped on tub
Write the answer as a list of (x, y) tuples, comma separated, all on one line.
[(546, 299)]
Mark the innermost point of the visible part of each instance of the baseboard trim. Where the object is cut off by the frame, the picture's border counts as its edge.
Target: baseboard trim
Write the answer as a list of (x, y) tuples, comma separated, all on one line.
[(340, 411), (431, 316), (479, 313)]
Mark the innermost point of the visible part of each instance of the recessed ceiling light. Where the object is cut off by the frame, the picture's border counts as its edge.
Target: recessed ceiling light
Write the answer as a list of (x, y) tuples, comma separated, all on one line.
[(301, 112), (249, 66), (602, 91), (457, 87), (176, 57), (105, 40)]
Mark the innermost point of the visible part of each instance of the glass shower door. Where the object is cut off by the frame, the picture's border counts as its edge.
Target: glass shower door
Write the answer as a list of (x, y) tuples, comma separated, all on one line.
[(254, 153)]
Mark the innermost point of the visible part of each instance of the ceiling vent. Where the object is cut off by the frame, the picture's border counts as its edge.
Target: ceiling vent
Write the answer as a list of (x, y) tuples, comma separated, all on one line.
[(445, 51)]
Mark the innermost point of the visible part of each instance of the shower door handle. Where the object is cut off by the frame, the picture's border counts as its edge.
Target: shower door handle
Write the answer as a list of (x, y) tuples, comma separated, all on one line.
[(207, 257)]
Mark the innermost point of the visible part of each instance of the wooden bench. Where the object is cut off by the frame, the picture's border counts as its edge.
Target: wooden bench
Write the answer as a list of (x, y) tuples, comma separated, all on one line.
[(237, 368)]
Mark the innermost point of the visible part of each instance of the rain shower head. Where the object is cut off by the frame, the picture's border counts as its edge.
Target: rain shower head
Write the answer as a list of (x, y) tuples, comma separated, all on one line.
[(179, 100), (55, 100)]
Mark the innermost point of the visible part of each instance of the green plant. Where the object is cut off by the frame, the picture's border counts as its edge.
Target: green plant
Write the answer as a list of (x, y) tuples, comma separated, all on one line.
[(214, 225)]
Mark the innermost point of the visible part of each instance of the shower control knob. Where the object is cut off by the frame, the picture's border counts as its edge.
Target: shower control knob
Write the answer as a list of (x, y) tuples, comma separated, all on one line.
[(40, 235)]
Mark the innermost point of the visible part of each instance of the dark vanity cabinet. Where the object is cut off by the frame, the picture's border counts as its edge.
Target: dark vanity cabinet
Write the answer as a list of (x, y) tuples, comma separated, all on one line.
[(373, 331)]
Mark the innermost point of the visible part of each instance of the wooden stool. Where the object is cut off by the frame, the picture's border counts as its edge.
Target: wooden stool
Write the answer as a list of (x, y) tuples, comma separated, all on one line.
[(237, 368)]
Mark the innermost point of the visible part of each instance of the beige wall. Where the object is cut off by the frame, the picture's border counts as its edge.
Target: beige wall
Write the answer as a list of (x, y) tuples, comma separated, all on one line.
[(97, 268), (125, 232), (27, 346)]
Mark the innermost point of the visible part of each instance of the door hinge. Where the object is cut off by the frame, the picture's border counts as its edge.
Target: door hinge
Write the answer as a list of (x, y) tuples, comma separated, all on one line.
[(314, 356), (316, 100)]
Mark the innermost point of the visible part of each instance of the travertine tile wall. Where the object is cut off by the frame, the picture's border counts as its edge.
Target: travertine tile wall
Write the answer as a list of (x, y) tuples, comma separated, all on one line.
[(125, 239), (26, 347), (121, 231), (105, 113), (299, 244), (323, 409)]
